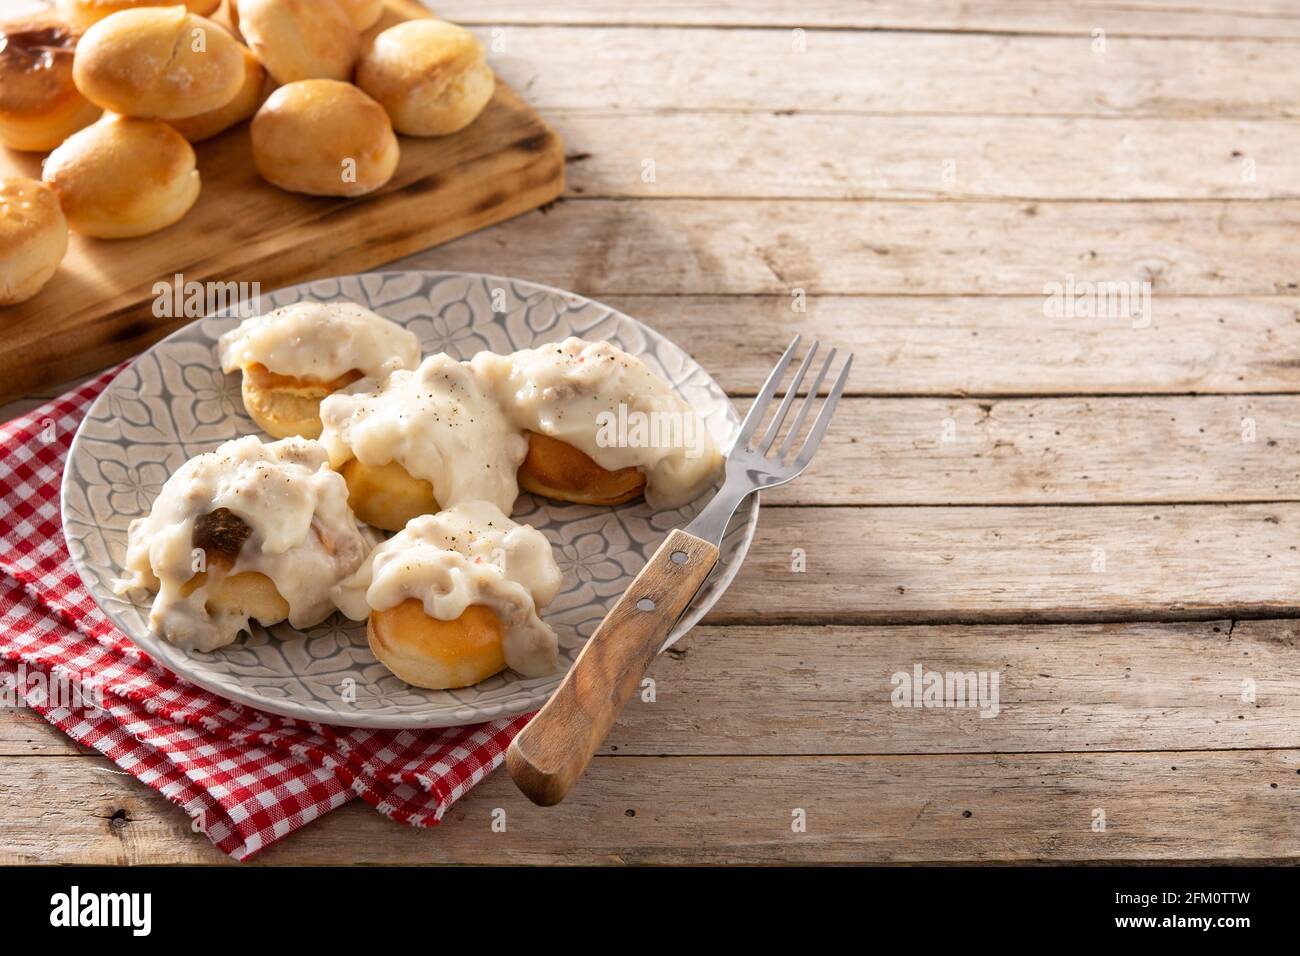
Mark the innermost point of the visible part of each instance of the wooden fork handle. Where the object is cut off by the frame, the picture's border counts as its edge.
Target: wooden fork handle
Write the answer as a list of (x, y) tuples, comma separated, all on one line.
[(549, 755)]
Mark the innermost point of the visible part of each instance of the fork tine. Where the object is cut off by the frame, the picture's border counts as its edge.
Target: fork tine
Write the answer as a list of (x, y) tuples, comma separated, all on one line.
[(759, 408), (807, 404), (824, 417), (769, 438)]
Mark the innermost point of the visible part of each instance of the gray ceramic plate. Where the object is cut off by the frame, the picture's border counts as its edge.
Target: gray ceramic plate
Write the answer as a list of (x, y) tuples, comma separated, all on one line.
[(174, 402)]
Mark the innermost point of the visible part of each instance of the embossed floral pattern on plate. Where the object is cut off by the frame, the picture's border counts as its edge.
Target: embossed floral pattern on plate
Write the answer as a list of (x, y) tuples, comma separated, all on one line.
[(173, 402)]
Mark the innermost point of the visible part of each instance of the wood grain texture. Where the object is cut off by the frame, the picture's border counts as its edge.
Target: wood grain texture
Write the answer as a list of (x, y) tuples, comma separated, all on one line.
[(1018, 564), (756, 690), (25, 733), (993, 346), (1159, 18), (1206, 805), (987, 345), (1057, 451), (769, 690), (99, 307), (605, 247), (548, 756), (849, 71), (780, 155)]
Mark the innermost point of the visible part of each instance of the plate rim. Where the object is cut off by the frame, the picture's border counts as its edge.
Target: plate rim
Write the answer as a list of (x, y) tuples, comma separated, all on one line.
[(296, 711)]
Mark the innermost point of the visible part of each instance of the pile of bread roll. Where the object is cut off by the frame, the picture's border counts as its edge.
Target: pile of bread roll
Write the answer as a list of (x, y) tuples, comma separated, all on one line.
[(117, 91)]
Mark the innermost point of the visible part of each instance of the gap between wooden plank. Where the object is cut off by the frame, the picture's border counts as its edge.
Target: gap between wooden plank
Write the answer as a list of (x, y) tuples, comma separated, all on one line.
[(1123, 19)]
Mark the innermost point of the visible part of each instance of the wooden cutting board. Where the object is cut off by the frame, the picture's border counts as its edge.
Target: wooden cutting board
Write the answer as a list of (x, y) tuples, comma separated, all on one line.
[(99, 307)]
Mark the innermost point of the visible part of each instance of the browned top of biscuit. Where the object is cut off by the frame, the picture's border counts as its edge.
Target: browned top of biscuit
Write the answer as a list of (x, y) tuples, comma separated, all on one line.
[(109, 166), (36, 64), (27, 210)]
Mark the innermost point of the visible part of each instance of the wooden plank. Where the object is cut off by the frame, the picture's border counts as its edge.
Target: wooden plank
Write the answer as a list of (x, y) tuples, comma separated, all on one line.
[(607, 247), (1264, 20), (20, 406), (994, 345), (24, 733), (768, 155), (808, 690), (1085, 451), (978, 346), (1055, 451), (1018, 564), (1229, 805), (100, 307), (827, 690), (846, 71)]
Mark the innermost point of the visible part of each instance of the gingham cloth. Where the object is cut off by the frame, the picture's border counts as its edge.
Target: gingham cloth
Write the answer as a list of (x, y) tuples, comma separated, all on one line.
[(247, 778)]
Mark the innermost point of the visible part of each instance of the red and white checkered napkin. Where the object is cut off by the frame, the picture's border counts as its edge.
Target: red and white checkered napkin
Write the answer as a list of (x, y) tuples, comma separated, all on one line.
[(246, 777)]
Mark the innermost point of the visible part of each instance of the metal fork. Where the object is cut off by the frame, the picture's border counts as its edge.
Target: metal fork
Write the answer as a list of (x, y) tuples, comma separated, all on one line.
[(549, 755)]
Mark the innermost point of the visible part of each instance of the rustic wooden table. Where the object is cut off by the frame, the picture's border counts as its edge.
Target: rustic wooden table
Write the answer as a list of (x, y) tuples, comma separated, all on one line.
[(1096, 506)]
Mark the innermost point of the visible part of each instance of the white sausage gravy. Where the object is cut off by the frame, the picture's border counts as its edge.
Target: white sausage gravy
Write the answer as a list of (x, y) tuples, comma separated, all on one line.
[(610, 406), (274, 508), (437, 423), (321, 341), (468, 554)]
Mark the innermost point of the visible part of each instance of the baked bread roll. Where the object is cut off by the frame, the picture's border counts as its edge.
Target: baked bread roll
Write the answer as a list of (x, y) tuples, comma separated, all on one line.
[(40, 105), (33, 238), (556, 470), (123, 177), (324, 138), (426, 651), (300, 39), (207, 125), (284, 405), (250, 531), (364, 14), (453, 598), (602, 426), (387, 496), (295, 356), (431, 76), (85, 13), (158, 63), (431, 436)]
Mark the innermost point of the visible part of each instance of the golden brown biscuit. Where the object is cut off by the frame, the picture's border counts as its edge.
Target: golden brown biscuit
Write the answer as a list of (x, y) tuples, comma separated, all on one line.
[(427, 652), (206, 125), (284, 405), (33, 237), (158, 63), (86, 13), (385, 496), (40, 106), (123, 177), (431, 76), (364, 14), (324, 138), (555, 469), (248, 593), (300, 39)]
